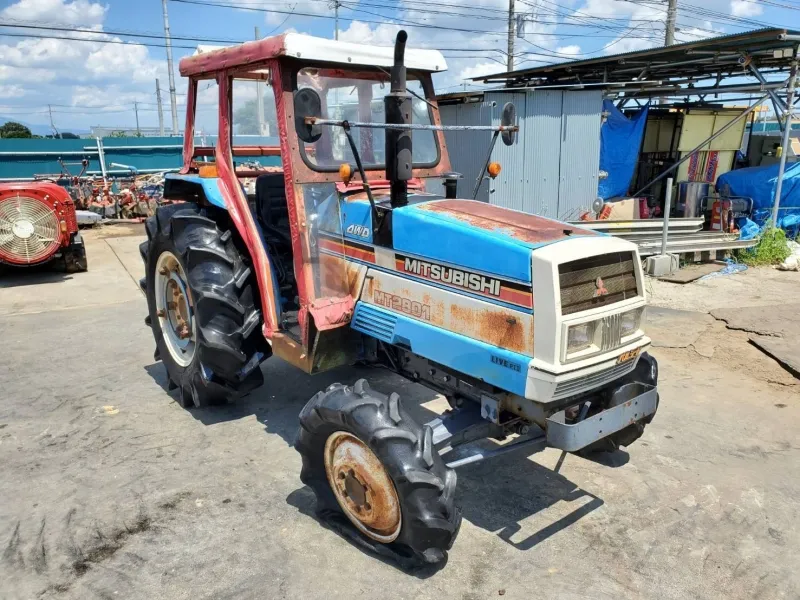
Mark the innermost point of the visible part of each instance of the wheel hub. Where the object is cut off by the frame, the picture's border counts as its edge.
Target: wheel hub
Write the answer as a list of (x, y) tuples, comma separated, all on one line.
[(174, 309), (362, 487)]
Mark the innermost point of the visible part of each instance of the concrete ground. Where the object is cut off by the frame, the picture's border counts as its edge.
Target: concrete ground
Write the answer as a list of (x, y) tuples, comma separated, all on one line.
[(108, 489)]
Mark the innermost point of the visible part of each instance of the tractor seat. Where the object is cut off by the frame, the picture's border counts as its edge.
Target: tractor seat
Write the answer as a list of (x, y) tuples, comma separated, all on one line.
[(271, 208)]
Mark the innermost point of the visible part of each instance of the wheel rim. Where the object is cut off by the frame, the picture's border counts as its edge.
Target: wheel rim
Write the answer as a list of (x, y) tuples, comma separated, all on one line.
[(174, 309), (362, 487)]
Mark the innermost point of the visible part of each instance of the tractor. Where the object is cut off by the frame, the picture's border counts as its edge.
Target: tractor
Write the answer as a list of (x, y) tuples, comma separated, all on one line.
[(359, 249)]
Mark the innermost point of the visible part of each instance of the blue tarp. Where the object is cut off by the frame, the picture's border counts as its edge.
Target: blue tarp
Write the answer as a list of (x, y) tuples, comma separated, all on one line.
[(758, 183), (620, 140)]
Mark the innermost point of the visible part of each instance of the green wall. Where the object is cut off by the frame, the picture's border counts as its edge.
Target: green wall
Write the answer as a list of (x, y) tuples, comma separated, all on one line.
[(25, 158)]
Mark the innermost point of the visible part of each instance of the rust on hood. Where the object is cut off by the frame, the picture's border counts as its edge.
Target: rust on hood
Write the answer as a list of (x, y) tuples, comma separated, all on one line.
[(498, 327), (527, 228)]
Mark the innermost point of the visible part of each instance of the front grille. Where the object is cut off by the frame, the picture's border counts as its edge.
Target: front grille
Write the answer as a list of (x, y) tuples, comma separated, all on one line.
[(565, 389), (611, 335), (597, 281)]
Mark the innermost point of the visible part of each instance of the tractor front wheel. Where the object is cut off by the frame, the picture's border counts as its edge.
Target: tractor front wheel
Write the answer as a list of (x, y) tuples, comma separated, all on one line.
[(202, 306), (368, 460)]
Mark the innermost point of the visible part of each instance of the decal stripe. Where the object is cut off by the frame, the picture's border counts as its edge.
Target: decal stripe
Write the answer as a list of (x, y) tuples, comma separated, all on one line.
[(511, 292), (347, 248)]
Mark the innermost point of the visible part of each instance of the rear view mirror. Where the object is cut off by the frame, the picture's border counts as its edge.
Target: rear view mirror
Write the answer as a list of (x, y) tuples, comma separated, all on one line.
[(509, 119), (307, 103)]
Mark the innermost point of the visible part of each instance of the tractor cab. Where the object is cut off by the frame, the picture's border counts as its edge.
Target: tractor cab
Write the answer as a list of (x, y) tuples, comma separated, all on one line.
[(314, 207)]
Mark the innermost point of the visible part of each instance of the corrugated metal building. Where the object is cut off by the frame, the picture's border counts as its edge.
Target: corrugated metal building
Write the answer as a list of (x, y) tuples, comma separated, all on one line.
[(552, 168)]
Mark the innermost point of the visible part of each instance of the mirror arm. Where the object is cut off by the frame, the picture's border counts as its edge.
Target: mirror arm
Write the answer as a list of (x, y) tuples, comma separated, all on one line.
[(485, 166), (360, 167)]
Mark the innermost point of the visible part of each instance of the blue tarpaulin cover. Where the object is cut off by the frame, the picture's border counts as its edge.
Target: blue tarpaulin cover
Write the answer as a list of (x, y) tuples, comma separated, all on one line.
[(620, 140), (758, 183)]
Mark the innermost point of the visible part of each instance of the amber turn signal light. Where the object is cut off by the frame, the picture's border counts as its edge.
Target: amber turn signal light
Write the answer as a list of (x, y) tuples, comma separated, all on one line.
[(494, 169), (345, 172), (209, 171)]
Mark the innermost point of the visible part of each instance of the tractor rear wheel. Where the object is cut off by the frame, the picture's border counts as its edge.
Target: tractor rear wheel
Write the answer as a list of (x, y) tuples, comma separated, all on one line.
[(201, 299), (366, 459)]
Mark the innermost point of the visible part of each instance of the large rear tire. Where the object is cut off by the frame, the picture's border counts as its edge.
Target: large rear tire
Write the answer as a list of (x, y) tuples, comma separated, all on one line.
[(201, 298), (374, 427)]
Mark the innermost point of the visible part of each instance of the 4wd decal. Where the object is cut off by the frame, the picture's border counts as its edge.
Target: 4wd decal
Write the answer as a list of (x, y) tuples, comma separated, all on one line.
[(358, 230), (483, 285)]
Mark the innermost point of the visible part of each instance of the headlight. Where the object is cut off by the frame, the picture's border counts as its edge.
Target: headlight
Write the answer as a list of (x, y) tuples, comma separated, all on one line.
[(630, 321), (580, 337)]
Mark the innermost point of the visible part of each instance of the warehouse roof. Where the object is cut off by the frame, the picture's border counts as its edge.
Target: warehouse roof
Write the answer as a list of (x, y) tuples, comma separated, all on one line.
[(728, 55)]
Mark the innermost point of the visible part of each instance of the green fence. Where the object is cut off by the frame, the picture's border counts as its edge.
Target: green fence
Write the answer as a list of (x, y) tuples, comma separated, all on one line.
[(22, 159)]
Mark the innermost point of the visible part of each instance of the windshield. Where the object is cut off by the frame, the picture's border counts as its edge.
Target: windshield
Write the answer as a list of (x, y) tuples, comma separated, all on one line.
[(359, 97)]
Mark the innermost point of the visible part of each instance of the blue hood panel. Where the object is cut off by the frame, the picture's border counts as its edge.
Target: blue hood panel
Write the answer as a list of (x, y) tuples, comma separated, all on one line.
[(476, 235)]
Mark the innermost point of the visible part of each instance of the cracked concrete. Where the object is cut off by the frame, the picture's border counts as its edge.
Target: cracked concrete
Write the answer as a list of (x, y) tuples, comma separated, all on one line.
[(704, 506), (780, 320), (671, 328)]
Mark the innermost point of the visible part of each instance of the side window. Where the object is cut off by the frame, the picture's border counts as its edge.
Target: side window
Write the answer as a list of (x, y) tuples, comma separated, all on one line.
[(253, 126), (206, 119)]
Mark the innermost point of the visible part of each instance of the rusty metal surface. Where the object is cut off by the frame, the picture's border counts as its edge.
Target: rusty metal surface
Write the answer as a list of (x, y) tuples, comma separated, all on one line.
[(188, 132), (489, 323), (330, 313), (239, 210), (247, 54), (362, 487), (499, 327), (524, 227), (283, 346)]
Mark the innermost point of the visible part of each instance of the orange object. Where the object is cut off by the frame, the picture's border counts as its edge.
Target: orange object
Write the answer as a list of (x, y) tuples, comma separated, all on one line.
[(345, 172), (494, 169), (209, 171), (605, 213), (721, 215)]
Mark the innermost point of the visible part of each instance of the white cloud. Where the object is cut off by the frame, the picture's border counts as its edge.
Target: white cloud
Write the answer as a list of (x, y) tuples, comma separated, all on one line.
[(105, 97), (11, 91), (571, 50), (78, 12), (484, 68), (363, 33), (315, 7), (20, 75), (690, 34), (746, 8)]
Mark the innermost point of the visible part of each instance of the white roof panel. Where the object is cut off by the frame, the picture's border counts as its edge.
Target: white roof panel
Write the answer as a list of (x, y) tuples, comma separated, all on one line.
[(310, 48)]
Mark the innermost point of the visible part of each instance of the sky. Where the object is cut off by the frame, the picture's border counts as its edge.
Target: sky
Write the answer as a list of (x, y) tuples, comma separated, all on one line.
[(114, 51)]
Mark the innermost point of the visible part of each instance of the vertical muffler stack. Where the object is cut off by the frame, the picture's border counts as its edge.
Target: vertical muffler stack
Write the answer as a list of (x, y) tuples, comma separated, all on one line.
[(398, 108)]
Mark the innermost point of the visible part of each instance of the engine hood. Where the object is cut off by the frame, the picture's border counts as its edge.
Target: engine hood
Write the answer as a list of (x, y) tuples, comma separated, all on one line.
[(477, 235)]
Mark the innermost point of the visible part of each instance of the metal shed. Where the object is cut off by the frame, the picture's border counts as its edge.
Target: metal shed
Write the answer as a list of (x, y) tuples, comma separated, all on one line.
[(551, 169)]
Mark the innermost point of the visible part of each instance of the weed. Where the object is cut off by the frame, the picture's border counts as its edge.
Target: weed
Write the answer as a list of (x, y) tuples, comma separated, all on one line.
[(772, 249)]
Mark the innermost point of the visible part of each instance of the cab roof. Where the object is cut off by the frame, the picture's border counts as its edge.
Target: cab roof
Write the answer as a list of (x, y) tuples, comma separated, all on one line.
[(208, 59)]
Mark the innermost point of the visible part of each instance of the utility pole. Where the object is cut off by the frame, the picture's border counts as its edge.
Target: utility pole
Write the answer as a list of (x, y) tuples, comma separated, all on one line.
[(160, 109), (512, 26), (672, 12), (136, 111), (52, 124), (168, 43), (334, 4), (260, 97)]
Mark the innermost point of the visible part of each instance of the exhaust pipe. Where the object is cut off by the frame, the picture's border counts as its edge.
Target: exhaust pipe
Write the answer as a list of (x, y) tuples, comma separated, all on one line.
[(397, 106)]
